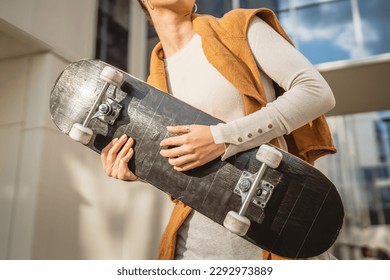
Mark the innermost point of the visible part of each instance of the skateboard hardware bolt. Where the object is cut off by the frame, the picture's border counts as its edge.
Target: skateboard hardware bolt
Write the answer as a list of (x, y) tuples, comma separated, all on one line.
[(104, 109), (245, 185), (261, 195), (264, 194), (108, 111)]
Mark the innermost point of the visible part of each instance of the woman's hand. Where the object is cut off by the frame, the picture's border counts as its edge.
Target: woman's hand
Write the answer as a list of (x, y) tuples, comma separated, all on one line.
[(116, 156), (193, 147)]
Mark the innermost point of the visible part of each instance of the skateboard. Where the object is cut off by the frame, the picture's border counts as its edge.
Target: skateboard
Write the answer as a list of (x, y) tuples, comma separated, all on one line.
[(265, 195)]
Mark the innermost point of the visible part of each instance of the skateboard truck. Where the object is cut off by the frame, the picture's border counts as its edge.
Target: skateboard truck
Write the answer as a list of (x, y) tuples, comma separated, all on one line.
[(263, 192), (104, 108), (251, 186)]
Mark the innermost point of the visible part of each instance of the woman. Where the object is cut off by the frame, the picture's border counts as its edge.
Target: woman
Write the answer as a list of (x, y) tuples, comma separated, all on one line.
[(227, 67)]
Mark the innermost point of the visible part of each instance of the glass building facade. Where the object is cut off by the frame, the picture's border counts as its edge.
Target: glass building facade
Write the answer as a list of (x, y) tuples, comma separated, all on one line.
[(324, 31), (112, 32)]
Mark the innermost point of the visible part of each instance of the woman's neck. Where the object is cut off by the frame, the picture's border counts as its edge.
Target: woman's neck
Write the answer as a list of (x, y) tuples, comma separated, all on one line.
[(174, 32)]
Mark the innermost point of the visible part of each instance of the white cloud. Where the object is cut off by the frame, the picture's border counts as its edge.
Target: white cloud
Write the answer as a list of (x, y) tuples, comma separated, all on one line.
[(341, 34)]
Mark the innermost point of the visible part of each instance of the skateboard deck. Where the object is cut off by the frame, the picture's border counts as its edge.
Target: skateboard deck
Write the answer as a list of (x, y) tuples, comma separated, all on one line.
[(294, 210)]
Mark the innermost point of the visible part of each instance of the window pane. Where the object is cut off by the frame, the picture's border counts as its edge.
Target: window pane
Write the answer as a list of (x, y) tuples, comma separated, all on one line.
[(361, 172), (283, 4), (253, 4), (322, 32), (112, 32), (300, 3), (216, 7), (361, 167), (375, 16)]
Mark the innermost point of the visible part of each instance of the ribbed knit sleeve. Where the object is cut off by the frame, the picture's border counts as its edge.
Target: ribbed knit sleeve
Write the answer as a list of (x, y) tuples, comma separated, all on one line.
[(307, 93)]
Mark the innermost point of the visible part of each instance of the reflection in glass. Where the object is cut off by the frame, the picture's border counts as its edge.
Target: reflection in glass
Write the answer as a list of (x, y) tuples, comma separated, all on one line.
[(300, 3), (361, 171), (322, 32), (375, 17), (270, 4), (112, 32), (216, 7)]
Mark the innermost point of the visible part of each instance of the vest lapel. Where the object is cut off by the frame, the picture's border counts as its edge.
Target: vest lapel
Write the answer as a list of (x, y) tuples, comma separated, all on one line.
[(157, 77)]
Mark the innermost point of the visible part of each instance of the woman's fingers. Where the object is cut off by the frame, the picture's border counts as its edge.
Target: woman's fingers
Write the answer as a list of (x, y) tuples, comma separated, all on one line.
[(116, 156), (124, 172), (192, 146)]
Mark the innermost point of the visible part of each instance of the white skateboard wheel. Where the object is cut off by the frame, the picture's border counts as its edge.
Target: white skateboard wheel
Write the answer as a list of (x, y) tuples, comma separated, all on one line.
[(236, 223), (269, 155), (81, 133), (111, 76)]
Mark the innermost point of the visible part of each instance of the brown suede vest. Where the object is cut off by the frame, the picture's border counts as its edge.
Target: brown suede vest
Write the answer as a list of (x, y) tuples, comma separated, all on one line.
[(225, 45)]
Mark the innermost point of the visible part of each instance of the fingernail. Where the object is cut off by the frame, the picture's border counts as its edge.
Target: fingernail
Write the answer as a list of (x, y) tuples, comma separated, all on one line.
[(169, 127)]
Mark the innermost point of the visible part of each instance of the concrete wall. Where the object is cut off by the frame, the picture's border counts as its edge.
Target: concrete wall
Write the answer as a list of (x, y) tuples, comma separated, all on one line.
[(68, 27), (55, 200)]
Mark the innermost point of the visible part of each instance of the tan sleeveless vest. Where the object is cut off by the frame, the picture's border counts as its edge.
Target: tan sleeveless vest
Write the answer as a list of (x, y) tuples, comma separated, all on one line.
[(225, 45)]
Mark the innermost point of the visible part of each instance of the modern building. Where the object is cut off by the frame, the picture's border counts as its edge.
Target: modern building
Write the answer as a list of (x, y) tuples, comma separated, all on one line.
[(55, 200)]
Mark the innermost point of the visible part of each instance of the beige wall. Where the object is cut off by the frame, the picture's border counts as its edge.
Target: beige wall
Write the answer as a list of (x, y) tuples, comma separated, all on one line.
[(55, 200), (68, 27)]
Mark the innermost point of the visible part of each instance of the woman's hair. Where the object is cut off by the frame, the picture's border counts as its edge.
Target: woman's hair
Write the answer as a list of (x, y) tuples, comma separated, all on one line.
[(141, 3)]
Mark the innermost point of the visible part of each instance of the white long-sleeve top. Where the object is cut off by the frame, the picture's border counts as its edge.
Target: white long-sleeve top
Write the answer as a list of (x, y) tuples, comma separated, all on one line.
[(194, 80)]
